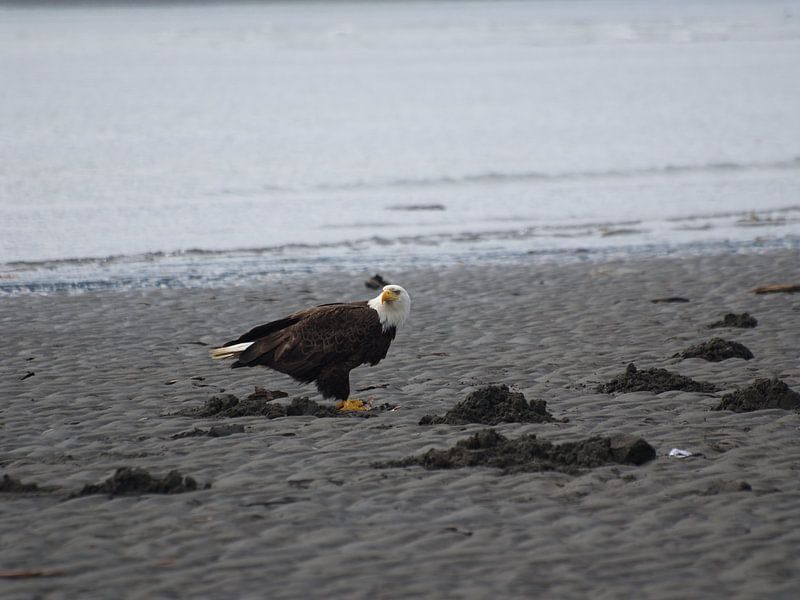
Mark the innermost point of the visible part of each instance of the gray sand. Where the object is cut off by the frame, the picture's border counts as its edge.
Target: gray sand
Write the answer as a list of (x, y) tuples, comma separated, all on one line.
[(296, 510)]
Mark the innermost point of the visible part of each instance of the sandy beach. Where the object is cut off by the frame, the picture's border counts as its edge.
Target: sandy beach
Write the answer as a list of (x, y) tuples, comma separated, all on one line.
[(296, 508)]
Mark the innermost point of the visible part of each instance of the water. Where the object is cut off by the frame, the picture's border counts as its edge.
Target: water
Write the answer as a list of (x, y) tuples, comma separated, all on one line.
[(214, 145)]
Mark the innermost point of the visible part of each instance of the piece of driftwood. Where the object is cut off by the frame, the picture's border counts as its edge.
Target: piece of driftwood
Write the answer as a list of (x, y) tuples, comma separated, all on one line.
[(786, 288), (28, 573)]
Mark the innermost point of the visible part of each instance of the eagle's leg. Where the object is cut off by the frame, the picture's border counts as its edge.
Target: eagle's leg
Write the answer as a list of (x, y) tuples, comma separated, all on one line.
[(335, 381)]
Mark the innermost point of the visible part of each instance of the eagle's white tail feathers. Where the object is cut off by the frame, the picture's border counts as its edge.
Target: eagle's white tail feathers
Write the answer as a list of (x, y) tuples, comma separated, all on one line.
[(230, 351)]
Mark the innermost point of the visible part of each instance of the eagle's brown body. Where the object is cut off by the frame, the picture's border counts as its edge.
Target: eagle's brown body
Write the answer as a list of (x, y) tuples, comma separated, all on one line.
[(321, 344)]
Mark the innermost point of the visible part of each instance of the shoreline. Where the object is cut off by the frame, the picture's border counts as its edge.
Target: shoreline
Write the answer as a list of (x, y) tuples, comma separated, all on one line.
[(296, 508), (201, 269)]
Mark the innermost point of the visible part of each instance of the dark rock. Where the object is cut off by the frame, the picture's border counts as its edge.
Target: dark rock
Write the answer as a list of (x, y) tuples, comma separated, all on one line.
[(12, 485), (762, 394), (492, 405), (630, 449), (376, 282), (487, 448), (653, 380), (743, 321), (458, 530), (669, 300), (134, 481), (716, 350)]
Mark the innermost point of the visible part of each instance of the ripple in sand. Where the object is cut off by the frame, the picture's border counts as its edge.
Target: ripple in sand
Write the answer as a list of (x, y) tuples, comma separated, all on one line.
[(12, 485)]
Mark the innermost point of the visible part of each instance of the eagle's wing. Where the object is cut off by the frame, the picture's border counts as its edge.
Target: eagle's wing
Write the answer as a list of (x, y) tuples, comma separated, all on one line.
[(317, 338), (268, 328)]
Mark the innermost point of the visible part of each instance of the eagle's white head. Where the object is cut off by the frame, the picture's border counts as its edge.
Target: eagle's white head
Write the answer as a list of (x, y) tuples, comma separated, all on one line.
[(393, 305)]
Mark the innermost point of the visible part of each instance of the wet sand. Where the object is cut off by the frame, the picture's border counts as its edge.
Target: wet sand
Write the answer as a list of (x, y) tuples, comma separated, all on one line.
[(296, 507)]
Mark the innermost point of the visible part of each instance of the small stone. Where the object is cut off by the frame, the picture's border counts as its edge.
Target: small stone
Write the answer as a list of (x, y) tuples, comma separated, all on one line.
[(630, 449)]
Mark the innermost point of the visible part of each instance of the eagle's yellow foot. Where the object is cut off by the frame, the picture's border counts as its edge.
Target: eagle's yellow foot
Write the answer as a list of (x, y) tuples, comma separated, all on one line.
[(354, 404)]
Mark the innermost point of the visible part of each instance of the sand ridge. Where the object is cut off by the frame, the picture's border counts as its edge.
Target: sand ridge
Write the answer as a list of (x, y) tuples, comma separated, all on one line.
[(295, 499)]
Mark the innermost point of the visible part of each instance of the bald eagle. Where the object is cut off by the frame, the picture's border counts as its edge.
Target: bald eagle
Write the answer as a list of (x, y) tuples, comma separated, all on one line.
[(324, 343)]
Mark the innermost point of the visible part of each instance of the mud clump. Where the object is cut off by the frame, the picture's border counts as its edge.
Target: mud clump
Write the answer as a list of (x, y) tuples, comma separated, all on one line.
[(492, 405), (761, 395), (262, 395), (716, 350), (487, 448), (653, 380), (128, 481), (742, 321), (12, 485), (217, 405), (304, 407), (259, 403), (215, 431)]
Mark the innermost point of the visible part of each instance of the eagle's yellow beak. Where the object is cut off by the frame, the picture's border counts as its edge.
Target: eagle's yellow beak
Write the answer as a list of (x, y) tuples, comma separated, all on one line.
[(389, 296)]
